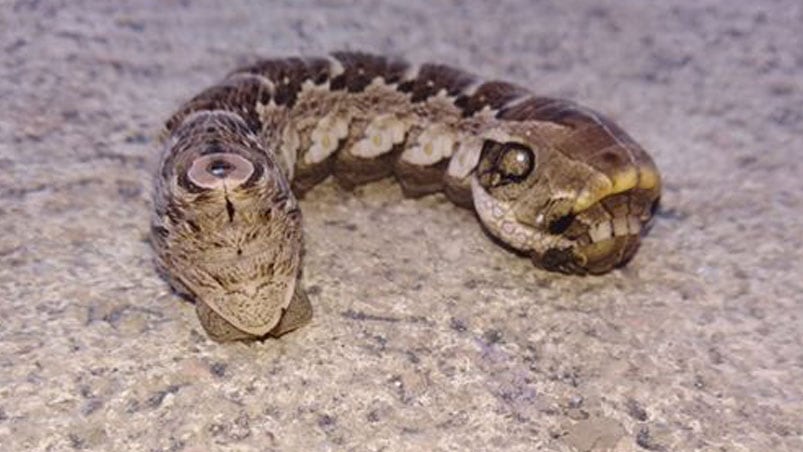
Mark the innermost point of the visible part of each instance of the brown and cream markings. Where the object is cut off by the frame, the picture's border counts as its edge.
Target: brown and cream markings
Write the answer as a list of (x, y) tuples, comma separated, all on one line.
[(553, 180)]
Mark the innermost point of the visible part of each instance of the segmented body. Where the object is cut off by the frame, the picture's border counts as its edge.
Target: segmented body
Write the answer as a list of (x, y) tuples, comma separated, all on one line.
[(551, 179)]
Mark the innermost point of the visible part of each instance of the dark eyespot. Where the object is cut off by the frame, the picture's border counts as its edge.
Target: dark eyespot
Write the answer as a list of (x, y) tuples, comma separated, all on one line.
[(213, 171), (560, 225), (515, 162), (561, 260)]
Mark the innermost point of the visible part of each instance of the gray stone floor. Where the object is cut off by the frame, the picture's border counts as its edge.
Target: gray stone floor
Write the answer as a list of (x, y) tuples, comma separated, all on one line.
[(426, 335)]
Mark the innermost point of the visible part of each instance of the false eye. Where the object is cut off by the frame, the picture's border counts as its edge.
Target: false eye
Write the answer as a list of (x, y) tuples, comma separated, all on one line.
[(220, 168), (516, 162), (215, 170)]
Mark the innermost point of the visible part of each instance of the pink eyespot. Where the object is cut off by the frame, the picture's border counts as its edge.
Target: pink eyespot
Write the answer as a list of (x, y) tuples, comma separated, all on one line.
[(220, 170)]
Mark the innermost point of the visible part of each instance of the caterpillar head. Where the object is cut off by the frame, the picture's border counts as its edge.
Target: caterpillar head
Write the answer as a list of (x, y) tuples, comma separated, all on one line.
[(570, 204)]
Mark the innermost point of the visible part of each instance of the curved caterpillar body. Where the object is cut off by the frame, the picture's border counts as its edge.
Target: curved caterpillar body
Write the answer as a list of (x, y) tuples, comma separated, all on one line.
[(553, 180)]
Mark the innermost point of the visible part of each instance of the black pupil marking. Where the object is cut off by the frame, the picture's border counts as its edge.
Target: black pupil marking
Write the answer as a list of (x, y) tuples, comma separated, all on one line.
[(220, 168), (560, 225), (556, 259)]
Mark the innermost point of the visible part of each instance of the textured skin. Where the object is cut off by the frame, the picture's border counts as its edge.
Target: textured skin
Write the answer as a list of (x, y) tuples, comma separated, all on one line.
[(552, 180)]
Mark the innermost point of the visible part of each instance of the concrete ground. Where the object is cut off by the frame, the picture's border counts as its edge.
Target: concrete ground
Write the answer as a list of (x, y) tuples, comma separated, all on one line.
[(426, 335)]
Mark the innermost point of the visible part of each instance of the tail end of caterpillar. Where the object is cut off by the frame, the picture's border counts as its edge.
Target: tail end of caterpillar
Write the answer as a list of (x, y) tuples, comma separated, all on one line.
[(297, 314)]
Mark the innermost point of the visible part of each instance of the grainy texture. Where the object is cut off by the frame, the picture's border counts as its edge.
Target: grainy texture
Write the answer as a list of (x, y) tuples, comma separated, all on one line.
[(424, 336)]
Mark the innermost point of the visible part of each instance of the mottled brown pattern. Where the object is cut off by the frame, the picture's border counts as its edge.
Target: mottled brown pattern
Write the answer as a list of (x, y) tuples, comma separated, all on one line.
[(432, 78), (552, 180), (493, 94), (238, 94), (287, 75), (361, 68)]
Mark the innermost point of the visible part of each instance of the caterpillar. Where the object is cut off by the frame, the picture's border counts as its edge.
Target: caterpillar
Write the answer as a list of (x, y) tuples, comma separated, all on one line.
[(548, 178)]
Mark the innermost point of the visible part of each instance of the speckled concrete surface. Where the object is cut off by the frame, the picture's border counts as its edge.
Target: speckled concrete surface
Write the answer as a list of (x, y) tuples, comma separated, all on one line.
[(426, 335)]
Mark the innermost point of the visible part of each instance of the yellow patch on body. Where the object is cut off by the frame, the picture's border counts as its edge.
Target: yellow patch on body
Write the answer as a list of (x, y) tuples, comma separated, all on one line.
[(624, 180), (598, 188), (649, 178)]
